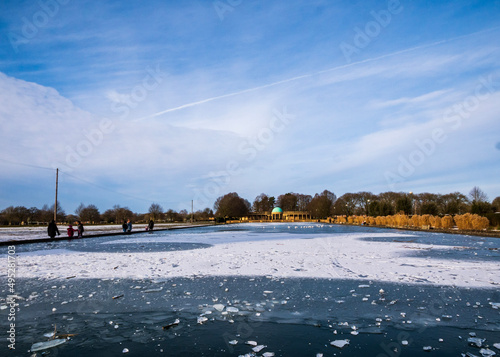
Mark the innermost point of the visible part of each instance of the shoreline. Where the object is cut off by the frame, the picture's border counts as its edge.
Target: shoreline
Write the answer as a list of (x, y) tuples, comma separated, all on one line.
[(436, 230), (110, 234), (486, 234)]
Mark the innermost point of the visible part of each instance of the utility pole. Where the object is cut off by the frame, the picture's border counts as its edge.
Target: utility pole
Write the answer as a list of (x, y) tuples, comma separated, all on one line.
[(55, 204), (192, 214)]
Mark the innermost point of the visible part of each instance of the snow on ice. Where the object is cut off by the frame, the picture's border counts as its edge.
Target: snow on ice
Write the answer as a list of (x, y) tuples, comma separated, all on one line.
[(358, 255)]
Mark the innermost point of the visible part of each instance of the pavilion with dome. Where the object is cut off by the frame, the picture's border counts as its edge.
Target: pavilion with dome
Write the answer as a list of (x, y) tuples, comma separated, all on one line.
[(278, 215)]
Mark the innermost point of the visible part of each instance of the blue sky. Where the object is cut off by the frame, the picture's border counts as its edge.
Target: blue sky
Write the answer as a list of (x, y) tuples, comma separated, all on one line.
[(167, 101)]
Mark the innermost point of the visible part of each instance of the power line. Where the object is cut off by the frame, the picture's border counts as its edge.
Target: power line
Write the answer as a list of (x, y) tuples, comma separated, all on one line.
[(82, 180), (108, 189), (104, 188), (27, 165)]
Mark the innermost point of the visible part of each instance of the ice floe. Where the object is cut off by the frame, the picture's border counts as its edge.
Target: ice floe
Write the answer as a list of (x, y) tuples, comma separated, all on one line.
[(40, 346), (340, 343)]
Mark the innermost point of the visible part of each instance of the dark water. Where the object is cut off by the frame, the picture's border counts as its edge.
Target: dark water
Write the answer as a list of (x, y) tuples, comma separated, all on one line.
[(292, 317)]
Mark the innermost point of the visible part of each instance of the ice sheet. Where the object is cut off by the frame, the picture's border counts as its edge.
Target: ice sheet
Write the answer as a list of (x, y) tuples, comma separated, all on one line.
[(311, 251)]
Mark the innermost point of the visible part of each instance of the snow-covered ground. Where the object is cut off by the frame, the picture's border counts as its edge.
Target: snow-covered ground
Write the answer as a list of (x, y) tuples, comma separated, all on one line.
[(281, 250)]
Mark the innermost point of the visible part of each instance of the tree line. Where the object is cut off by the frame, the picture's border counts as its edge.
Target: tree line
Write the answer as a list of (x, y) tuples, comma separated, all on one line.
[(326, 204), (91, 214), (320, 206)]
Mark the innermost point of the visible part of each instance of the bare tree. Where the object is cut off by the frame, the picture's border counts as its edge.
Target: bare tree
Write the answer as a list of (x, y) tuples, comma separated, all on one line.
[(79, 209), (288, 202), (60, 215), (321, 205), (263, 203), (477, 195), (454, 203), (303, 201), (364, 199), (155, 211)]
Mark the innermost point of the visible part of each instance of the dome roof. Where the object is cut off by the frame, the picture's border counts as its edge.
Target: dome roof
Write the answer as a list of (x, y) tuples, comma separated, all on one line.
[(277, 210)]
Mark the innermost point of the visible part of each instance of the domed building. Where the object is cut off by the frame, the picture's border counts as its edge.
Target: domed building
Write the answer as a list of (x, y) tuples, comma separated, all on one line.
[(277, 213)]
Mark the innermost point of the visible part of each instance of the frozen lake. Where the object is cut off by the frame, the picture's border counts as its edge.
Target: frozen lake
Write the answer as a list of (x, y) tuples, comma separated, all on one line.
[(294, 288)]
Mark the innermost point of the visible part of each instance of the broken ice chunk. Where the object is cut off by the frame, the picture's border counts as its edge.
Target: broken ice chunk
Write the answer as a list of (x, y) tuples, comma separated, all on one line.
[(40, 346), (427, 348), (233, 342), (468, 354), (268, 354), (486, 352), (125, 350), (258, 348), (404, 343), (497, 346), (219, 307), (202, 319), (251, 343), (339, 343), (477, 342), (153, 290), (232, 309)]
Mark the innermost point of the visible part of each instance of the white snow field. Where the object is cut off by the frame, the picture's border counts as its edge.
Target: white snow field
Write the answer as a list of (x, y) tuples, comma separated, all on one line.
[(295, 250)]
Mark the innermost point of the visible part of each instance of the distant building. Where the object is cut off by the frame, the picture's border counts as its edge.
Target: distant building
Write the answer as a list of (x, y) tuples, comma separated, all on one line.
[(278, 215)]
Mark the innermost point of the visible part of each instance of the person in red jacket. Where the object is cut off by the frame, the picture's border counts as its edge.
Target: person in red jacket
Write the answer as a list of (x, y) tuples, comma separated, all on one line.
[(71, 231)]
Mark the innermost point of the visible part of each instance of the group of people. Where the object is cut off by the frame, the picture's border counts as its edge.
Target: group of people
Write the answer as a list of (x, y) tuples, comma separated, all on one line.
[(127, 226), (52, 229)]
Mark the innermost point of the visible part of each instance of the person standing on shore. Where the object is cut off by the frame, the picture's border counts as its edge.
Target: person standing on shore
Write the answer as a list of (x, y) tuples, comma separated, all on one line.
[(151, 226), (80, 229), (52, 229), (124, 226), (129, 226)]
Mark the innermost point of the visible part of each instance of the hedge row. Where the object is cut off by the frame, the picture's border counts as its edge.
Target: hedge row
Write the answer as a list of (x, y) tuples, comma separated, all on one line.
[(463, 222)]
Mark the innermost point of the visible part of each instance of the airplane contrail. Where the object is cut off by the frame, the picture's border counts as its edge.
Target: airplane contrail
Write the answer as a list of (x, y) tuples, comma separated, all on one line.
[(192, 104)]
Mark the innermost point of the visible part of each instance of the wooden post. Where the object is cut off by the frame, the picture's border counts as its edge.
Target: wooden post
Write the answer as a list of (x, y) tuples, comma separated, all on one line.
[(55, 204)]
